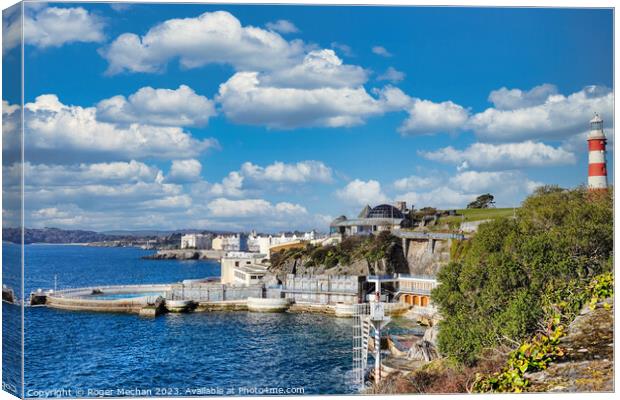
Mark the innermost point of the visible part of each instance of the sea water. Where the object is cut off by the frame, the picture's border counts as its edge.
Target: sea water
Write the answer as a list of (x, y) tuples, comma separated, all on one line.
[(81, 354)]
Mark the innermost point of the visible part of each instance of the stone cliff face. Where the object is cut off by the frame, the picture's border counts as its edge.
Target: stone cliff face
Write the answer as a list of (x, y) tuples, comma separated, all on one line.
[(301, 266), (423, 262), (418, 261), (393, 263)]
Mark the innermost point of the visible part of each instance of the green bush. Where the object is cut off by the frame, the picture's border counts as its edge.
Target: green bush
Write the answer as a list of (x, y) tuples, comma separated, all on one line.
[(505, 281), (536, 354), (531, 356)]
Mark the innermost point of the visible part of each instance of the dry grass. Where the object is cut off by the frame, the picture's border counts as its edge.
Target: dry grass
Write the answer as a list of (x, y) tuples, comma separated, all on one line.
[(440, 377)]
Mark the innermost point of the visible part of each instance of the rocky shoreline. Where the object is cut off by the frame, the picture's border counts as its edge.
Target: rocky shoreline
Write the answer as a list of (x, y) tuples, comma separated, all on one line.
[(186, 255)]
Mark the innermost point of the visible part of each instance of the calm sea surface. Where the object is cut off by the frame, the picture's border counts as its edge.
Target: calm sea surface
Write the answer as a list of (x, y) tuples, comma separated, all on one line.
[(186, 354)]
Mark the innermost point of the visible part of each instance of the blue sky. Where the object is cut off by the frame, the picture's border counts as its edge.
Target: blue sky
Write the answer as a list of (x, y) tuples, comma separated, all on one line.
[(283, 117)]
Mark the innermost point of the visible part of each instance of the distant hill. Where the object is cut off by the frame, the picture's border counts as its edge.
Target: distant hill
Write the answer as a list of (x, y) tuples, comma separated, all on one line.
[(149, 233), (55, 235)]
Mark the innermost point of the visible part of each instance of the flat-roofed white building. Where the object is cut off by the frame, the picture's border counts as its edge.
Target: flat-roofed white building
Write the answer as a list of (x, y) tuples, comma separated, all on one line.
[(240, 268), (248, 274), (196, 241)]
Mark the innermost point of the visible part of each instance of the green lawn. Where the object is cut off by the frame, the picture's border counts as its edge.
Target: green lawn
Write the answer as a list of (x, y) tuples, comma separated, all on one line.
[(477, 214)]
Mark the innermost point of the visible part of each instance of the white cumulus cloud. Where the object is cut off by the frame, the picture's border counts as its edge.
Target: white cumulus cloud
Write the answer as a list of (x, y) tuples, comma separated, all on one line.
[(222, 207), (503, 156), (557, 117), (213, 37), (184, 171), (244, 99), (301, 172), (231, 185), (55, 26), (164, 107), (427, 117), (66, 133), (111, 173), (282, 26), (319, 68), (510, 99), (279, 84), (508, 187), (441, 197), (414, 182), (500, 181), (252, 178), (359, 192)]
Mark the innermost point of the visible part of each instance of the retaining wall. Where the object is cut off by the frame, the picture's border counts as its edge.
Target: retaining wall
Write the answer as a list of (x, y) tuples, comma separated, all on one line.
[(322, 289), (208, 292)]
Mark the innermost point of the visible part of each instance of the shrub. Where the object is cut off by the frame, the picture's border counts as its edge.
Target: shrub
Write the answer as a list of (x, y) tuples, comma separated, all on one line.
[(504, 283)]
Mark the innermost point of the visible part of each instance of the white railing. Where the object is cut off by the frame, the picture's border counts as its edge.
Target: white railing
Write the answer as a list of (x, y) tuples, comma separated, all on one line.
[(361, 333)]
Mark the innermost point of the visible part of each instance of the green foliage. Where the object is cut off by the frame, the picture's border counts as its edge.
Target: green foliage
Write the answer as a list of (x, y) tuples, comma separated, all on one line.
[(531, 356), (602, 287), (536, 354), (377, 247), (505, 283), (482, 201), (372, 248), (458, 248)]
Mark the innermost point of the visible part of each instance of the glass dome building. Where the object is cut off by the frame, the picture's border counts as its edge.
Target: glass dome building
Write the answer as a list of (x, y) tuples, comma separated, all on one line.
[(385, 211), (384, 217)]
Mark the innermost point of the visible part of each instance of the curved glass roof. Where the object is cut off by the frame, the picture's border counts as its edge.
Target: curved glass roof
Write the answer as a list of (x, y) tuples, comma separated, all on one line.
[(385, 211)]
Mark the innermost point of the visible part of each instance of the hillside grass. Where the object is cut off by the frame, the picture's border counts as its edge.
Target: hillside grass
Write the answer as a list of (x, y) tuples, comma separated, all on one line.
[(478, 214)]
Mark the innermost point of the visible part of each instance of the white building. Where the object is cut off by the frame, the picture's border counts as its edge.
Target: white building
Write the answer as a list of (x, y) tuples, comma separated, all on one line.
[(238, 242), (370, 221), (262, 244), (196, 241), (242, 268), (248, 274)]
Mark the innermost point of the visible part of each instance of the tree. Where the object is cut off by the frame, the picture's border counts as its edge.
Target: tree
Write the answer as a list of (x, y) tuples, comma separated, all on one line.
[(482, 201), (500, 289)]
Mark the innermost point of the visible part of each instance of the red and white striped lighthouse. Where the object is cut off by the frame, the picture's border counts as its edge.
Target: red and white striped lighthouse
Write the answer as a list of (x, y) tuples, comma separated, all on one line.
[(597, 163)]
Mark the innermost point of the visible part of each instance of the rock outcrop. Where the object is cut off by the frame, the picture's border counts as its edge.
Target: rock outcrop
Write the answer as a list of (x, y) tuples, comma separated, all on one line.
[(394, 262), (588, 364), (422, 262), (185, 255)]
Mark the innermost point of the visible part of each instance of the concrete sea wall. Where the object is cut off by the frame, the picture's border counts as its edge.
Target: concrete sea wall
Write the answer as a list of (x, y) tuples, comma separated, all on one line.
[(267, 305), (133, 305), (87, 299)]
